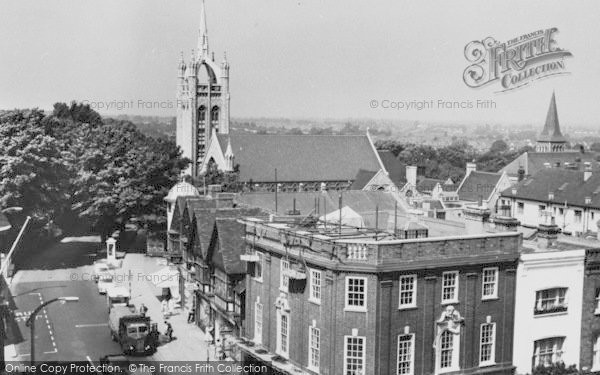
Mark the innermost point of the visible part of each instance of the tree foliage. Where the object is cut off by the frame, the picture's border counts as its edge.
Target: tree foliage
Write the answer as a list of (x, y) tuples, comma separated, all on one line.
[(449, 161), (72, 165), (229, 181)]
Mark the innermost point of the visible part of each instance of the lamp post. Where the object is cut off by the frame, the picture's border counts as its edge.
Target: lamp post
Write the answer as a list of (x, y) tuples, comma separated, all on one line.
[(31, 320)]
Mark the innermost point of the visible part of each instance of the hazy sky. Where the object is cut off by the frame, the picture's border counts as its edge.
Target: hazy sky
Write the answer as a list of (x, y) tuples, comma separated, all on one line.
[(294, 58)]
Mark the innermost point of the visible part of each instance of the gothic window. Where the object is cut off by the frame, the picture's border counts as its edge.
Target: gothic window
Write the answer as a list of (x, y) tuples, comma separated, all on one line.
[(201, 114), (214, 118)]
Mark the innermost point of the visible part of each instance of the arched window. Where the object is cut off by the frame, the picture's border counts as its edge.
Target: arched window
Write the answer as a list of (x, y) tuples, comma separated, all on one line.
[(201, 114), (214, 118)]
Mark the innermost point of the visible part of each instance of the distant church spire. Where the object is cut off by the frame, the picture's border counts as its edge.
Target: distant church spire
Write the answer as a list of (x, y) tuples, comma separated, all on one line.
[(551, 138), (203, 33)]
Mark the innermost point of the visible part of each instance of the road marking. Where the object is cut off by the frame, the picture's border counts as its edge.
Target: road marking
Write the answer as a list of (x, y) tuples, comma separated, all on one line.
[(91, 325), (52, 352)]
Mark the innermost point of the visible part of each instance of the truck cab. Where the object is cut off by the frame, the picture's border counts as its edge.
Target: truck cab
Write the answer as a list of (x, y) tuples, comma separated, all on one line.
[(131, 330)]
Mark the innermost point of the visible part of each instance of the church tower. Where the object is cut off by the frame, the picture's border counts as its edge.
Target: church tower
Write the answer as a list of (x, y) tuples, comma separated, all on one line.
[(551, 138), (202, 99)]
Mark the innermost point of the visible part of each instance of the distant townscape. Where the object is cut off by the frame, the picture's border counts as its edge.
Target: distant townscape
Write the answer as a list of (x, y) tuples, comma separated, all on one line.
[(277, 246)]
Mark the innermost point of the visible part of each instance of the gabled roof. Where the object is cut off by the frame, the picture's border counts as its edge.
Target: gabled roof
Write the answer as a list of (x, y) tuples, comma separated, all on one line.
[(566, 185), (300, 158), (362, 179), (426, 184), (206, 218), (551, 131), (395, 168), (229, 234), (478, 185)]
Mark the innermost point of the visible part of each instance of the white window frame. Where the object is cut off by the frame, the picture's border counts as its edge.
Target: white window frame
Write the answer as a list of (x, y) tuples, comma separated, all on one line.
[(557, 353), (280, 349), (492, 360), (262, 269), (284, 280), (520, 208), (411, 354), (314, 332), (457, 282), (455, 354), (557, 305), (413, 302), (258, 322), (312, 297), (349, 307), (363, 358), (494, 295), (596, 355), (577, 216)]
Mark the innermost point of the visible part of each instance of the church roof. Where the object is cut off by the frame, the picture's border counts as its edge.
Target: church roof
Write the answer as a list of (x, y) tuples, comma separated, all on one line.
[(300, 158), (395, 168), (362, 179), (551, 132)]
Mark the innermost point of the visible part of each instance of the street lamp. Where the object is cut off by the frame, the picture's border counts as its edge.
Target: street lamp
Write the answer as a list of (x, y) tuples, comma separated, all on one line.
[(31, 320)]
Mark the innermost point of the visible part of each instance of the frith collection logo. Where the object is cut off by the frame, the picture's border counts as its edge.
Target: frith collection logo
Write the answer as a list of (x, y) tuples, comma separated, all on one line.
[(515, 63)]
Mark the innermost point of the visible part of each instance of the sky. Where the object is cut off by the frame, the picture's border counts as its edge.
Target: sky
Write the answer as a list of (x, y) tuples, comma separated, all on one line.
[(295, 59)]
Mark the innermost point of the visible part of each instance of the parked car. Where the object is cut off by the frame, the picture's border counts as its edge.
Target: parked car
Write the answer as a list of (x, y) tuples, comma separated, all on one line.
[(105, 281)]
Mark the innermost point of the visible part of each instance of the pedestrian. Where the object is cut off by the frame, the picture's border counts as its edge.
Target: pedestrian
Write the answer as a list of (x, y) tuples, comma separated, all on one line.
[(169, 332), (191, 316), (143, 309), (154, 337), (164, 308)]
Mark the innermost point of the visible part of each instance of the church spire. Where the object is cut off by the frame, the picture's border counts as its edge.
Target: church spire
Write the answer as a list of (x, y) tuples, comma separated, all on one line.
[(552, 127), (551, 138), (203, 34)]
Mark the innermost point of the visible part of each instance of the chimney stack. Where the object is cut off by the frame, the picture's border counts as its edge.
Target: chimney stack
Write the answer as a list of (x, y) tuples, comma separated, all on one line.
[(521, 173), (471, 167), (588, 171), (411, 174), (504, 222), (476, 219), (547, 234)]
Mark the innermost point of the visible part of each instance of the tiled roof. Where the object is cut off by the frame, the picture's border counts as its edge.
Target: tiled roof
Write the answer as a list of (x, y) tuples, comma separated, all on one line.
[(478, 185), (362, 179), (300, 158), (533, 162), (427, 184), (206, 217), (395, 168), (231, 246), (566, 185)]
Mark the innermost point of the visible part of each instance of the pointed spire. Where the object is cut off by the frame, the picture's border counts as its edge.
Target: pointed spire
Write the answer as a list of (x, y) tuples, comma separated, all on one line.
[(551, 132), (203, 33)]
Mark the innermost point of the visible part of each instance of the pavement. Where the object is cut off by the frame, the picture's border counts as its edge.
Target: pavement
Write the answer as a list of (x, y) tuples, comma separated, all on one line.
[(79, 331), (189, 343)]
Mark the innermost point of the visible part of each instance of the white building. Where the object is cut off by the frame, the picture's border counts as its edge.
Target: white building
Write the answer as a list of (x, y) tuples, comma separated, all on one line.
[(571, 197), (548, 302)]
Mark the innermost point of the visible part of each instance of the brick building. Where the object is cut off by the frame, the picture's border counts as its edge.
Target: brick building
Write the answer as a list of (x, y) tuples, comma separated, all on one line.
[(340, 300)]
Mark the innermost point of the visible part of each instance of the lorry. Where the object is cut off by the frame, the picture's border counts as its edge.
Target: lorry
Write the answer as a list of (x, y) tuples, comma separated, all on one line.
[(131, 330), (117, 295)]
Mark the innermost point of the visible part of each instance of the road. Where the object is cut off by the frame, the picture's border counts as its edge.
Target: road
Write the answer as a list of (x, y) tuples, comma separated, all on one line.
[(71, 331)]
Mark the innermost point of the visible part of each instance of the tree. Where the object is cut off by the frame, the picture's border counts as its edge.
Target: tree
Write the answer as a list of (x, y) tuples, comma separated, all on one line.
[(229, 181), (595, 147), (72, 166), (499, 146), (32, 174)]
